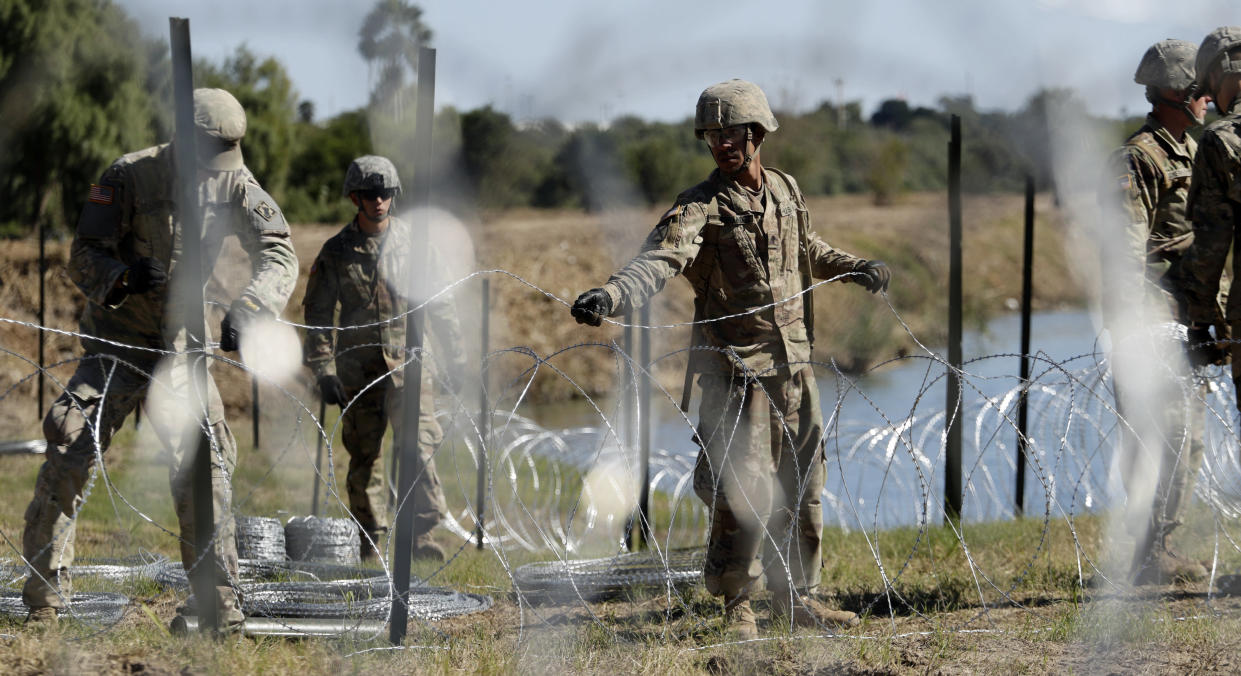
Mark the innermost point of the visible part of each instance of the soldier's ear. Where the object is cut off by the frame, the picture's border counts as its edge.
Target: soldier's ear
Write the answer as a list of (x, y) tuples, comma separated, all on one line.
[(353, 197)]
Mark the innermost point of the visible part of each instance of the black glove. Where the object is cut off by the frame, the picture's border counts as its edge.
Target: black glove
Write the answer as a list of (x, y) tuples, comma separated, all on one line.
[(240, 314), (1202, 348), (876, 276), (148, 274), (332, 390), (592, 306)]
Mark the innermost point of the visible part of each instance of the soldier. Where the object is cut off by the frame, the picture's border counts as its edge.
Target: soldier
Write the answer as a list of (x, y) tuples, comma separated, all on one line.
[(743, 240), (128, 238), (360, 271), (1215, 198), (1148, 186)]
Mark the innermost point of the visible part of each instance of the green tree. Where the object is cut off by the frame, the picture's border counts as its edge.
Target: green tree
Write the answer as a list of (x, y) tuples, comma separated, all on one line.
[(317, 169), (887, 171), (73, 97)]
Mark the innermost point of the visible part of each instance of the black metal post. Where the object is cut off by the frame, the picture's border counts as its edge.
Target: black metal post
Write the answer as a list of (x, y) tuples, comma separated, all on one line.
[(484, 410), (189, 290), (953, 408), (42, 311), (644, 427), (625, 434), (254, 408), (424, 122), (1027, 294), (314, 501)]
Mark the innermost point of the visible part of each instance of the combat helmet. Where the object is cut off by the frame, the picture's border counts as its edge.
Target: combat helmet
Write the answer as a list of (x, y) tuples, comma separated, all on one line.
[(1168, 64), (371, 172), (221, 124), (731, 103), (1214, 52)]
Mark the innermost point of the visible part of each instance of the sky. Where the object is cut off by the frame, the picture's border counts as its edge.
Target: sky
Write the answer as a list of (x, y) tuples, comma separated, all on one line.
[(592, 61)]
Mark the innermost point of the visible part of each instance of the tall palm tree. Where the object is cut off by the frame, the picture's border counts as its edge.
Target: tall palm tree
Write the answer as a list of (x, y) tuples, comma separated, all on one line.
[(389, 38)]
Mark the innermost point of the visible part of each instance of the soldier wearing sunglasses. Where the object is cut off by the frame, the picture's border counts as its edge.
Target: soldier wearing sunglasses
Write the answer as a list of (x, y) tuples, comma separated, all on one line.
[(359, 272)]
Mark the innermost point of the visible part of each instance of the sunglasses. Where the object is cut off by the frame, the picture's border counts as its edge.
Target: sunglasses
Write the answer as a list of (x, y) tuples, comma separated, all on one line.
[(377, 194), (734, 135)]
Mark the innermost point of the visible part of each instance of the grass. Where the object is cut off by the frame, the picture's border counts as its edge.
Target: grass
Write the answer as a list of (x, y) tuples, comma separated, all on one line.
[(1013, 603)]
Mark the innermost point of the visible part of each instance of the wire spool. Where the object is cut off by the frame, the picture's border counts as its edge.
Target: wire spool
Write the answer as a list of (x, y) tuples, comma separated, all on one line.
[(260, 538), (125, 569), (309, 538), (366, 599), (596, 579), (100, 607)]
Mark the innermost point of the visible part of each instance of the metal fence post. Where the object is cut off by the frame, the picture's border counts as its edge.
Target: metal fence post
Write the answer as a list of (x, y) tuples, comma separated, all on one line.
[(424, 122), (189, 290), (484, 410), (1027, 294), (953, 404)]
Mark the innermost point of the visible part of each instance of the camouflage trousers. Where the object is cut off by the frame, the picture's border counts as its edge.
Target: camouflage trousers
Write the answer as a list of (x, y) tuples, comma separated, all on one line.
[(79, 427), (1162, 435), (760, 470), (365, 422)]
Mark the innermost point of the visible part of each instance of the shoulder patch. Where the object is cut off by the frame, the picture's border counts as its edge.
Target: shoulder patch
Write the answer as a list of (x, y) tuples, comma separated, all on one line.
[(265, 210), (101, 194), (1125, 182)]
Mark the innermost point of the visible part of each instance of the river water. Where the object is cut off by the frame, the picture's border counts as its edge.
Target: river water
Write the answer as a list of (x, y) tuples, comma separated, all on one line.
[(885, 432)]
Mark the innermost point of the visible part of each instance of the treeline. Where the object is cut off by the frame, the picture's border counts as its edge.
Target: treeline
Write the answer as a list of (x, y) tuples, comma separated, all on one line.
[(80, 85)]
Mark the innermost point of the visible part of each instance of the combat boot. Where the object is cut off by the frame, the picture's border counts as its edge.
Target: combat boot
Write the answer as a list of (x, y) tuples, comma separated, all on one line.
[(370, 546), (427, 548), (806, 611), (42, 617), (1160, 565), (739, 622), (228, 605)]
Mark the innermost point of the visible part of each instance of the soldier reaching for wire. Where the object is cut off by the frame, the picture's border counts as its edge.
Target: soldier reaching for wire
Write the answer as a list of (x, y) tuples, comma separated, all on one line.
[(743, 240)]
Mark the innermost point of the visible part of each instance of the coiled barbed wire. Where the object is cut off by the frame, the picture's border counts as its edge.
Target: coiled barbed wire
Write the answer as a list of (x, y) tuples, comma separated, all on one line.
[(544, 497)]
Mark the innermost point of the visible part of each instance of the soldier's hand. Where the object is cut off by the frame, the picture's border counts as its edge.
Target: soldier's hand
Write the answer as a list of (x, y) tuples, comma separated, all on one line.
[(875, 276), (592, 306), (148, 274), (242, 312), (332, 390)]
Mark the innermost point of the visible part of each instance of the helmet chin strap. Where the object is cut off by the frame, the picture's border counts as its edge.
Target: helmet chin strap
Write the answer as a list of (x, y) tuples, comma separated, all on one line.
[(745, 164), (1179, 104)]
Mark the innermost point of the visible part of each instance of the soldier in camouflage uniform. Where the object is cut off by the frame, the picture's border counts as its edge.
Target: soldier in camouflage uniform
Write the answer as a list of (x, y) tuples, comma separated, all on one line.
[(1149, 183), (128, 239), (360, 271), (1215, 196), (744, 241)]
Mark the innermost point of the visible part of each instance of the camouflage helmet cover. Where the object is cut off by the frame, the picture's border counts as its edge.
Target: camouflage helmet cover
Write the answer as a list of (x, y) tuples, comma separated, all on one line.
[(1214, 51), (731, 103), (1168, 64), (371, 172)]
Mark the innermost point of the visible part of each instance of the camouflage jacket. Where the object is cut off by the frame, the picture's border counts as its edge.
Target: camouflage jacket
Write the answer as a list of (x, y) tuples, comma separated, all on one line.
[(1215, 209), (131, 214), (748, 266), (362, 275), (1146, 197)]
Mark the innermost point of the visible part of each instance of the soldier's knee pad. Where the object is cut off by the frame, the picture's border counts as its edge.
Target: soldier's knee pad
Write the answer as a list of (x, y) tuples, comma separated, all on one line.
[(64, 421)]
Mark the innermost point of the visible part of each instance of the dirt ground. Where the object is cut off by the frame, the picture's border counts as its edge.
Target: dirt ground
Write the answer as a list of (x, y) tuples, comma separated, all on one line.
[(548, 257)]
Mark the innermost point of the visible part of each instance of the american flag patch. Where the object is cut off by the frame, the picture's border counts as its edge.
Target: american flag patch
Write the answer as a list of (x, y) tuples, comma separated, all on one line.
[(1125, 182), (100, 194)]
